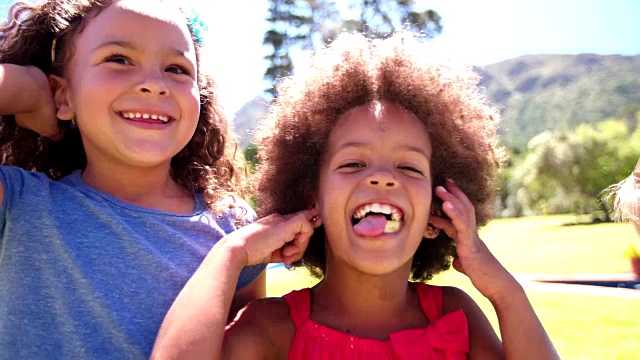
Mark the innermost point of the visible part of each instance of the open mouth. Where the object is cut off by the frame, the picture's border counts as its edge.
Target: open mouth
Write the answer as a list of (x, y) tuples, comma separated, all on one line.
[(375, 219), (146, 117)]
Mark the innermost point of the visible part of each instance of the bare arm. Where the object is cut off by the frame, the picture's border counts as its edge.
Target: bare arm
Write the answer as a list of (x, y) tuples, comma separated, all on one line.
[(194, 327), (256, 290), (26, 93), (523, 336)]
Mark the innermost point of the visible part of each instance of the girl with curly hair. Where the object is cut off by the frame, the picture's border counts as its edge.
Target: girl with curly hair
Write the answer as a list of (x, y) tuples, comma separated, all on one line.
[(395, 154), (117, 175)]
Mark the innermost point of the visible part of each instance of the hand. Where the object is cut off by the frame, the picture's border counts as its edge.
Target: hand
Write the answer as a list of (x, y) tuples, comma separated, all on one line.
[(43, 119), (276, 238), (474, 258)]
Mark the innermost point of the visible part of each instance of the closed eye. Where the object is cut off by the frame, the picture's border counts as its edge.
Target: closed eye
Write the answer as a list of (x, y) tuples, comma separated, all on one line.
[(411, 169), (351, 166)]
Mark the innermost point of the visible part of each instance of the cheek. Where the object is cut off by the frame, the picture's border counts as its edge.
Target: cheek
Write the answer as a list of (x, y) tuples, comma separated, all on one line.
[(100, 88), (330, 202)]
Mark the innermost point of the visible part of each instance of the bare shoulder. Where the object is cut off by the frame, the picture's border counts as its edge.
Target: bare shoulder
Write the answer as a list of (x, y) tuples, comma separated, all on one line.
[(483, 340), (262, 330), (454, 299)]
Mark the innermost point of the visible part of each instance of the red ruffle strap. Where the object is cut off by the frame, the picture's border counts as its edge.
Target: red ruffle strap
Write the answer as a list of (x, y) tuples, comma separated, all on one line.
[(446, 339)]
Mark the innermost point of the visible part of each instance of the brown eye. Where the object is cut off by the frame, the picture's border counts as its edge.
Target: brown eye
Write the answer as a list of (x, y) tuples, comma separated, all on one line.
[(176, 69), (118, 59)]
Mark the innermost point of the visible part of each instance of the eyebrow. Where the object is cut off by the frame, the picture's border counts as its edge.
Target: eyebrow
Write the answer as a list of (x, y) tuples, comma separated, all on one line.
[(410, 148), (131, 46)]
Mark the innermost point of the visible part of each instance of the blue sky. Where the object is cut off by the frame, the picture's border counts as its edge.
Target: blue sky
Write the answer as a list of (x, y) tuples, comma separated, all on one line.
[(477, 32)]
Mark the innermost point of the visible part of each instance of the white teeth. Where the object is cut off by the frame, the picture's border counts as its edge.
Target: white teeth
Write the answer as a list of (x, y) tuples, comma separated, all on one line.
[(377, 208), (387, 209), (134, 115)]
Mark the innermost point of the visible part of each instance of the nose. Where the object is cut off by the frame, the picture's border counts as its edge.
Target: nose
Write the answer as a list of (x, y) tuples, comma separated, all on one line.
[(382, 179), (153, 84)]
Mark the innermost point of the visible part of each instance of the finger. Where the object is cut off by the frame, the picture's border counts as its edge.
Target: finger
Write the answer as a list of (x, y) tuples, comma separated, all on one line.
[(458, 266), (443, 224), (293, 252), (458, 193), (270, 219), (276, 257), (448, 197), (308, 214), (299, 243)]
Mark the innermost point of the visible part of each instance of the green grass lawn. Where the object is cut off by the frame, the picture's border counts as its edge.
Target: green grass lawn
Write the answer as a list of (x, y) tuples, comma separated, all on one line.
[(581, 326)]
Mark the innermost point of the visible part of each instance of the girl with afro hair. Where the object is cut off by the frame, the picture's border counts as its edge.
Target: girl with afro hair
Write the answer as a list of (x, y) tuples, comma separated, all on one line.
[(383, 160)]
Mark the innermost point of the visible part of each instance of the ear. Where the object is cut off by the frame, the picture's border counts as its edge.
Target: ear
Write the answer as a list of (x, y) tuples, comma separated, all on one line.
[(62, 98), (431, 232)]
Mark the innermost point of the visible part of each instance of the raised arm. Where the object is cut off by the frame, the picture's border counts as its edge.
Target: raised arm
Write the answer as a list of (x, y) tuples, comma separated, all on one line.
[(194, 326), (26, 93), (523, 336)]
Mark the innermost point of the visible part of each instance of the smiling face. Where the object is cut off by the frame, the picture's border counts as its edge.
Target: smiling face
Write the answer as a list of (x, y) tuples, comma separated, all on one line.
[(375, 188), (132, 85)]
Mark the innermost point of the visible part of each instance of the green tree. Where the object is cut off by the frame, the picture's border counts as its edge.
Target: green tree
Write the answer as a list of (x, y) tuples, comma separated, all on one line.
[(566, 171), (251, 156), (305, 24)]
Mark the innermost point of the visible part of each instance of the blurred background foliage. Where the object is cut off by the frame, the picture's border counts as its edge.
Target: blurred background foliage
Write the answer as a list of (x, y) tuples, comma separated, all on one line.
[(569, 122)]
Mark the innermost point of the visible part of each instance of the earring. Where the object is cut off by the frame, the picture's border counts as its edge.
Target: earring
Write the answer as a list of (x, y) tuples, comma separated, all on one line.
[(73, 123), (432, 231)]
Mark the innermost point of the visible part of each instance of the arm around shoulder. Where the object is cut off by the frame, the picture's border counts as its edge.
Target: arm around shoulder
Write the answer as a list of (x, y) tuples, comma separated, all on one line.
[(262, 330), (20, 87)]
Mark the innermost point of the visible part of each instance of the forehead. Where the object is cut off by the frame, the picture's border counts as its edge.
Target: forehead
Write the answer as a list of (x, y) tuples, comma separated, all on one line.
[(378, 123), (166, 11), (146, 21)]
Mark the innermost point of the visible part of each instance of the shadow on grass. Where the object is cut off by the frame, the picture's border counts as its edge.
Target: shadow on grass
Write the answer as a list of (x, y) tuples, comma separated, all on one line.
[(588, 219)]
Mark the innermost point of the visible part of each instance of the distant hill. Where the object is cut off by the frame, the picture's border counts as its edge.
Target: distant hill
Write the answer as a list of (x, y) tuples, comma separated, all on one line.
[(535, 93), (245, 120), (541, 92)]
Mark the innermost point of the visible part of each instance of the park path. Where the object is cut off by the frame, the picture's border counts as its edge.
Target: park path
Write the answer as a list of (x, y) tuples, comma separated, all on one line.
[(552, 283)]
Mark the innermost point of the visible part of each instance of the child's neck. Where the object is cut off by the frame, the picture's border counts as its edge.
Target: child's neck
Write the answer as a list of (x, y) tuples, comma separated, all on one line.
[(367, 305), (149, 187)]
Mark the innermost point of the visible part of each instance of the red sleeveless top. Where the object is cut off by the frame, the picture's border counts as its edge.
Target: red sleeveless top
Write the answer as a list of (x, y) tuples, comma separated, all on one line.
[(445, 338)]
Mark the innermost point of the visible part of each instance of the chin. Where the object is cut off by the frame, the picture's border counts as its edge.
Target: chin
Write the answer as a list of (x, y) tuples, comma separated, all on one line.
[(149, 160), (380, 265)]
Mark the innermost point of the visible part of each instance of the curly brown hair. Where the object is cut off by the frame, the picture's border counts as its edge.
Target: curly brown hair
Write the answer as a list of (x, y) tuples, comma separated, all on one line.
[(209, 163), (354, 71)]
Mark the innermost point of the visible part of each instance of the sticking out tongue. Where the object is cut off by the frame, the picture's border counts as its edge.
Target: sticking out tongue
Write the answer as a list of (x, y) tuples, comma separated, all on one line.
[(370, 226)]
